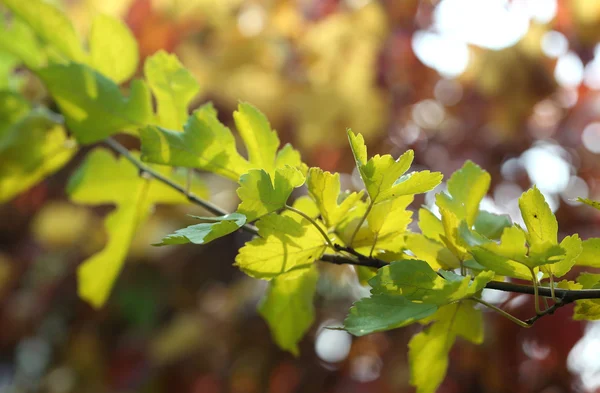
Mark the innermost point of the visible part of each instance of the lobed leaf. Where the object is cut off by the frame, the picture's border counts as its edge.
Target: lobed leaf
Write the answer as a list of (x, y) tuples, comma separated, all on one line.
[(102, 179), (286, 244), (173, 86), (466, 189), (324, 188), (33, 145), (428, 351), (288, 308), (92, 104), (382, 175), (113, 49), (261, 196), (51, 25)]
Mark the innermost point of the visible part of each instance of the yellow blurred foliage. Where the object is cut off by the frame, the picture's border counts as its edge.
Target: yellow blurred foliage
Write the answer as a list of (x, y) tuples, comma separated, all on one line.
[(61, 225)]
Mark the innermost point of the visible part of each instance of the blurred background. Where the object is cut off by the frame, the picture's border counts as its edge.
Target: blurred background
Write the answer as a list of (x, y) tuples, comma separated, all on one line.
[(512, 85)]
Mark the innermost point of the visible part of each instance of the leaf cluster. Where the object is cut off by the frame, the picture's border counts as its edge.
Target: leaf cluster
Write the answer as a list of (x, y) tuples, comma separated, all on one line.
[(434, 277)]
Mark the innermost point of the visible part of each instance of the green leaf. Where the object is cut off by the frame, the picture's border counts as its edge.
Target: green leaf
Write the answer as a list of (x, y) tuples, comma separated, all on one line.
[(324, 188), (206, 232), (286, 244), (261, 141), (384, 311), (32, 146), (51, 25), (261, 196), (415, 280), (205, 144), (102, 179), (590, 253), (113, 49), (288, 308), (382, 175), (19, 40), (589, 202), (428, 350), (541, 224), (491, 225), (92, 104), (466, 189), (173, 86)]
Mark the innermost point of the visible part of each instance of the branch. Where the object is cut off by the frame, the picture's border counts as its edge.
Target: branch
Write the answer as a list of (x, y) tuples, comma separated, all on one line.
[(217, 211), (566, 295)]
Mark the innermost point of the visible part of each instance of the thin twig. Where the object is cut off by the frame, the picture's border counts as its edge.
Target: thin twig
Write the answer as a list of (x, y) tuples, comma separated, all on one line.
[(217, 211)]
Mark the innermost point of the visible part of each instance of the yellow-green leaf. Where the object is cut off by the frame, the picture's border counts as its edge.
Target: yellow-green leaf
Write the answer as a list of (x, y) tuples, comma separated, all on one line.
[(590, 253), (173, 86), (541, 223), (205, 143), (430, 225), (466, 189), (102, 179), (51, 25), (433, 252), (324, 188), (92, 104), (387, 222), (113, 49), (428, 350), (260, 195), (288, 308), (261, 141), (32, 146), (286, 244), (18, 39), (588, 309), (589, 202), (383, 176)]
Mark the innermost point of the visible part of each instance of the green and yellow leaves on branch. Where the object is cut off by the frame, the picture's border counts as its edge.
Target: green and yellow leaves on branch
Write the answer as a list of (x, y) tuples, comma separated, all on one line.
[(520, 251), (93, 105), (203, 233), (207, 144), (287, 243), (103, 179), (384, 177), (428, 350), (173, 86), (288, 308), (324, 188), (407, 291), (260, 195), (33, 145)]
